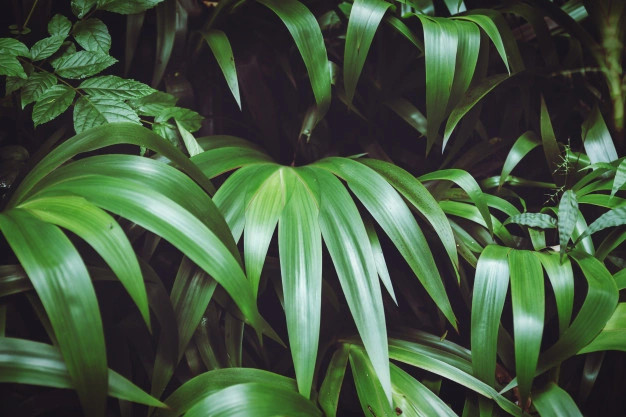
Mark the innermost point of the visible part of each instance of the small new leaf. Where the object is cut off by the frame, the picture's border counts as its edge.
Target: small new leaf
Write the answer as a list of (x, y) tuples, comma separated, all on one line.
[(92, 35), (127, 7), (94, 111), (9, 65), (52, 103), (83, 64), (81, 7), (542, 221), (13, 47), (46, 47), (59, 25), (36, 85), (111, 86)]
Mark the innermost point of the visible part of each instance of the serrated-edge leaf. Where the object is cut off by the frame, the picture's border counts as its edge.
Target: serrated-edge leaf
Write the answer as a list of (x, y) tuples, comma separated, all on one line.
[(220, 46), (92, 111), (13, 47), (59, 25), (81, 7), (93, 35), (36, 85), (46, 47), (52, 103), (83, 64), (10, 66), (111, 86)]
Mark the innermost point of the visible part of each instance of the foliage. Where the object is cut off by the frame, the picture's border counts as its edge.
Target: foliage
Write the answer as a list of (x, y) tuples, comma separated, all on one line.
[(467, 156)]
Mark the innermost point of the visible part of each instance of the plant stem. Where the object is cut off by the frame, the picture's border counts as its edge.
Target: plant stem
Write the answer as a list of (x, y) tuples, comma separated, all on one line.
[(32, 9)]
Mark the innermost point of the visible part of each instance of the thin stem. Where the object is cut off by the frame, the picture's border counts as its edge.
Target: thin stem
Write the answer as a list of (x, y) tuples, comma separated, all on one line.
[(32, 9), (56, 76)]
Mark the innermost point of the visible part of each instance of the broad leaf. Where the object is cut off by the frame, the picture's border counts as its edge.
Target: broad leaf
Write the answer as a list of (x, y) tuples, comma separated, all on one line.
[(188, 119), (612, 218), (613, 335), (52, 103), (83, 64), (10, 66), (13, 47), (220, 46), (93, 35), (37, 84), (92, 111), (46, 47), (81, 7), (111, 86), (562, 280), (59, 25)]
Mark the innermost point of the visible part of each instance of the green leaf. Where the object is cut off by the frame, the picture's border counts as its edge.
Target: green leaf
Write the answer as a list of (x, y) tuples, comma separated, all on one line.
[(409, 113), (379, 259), (307, 35), (10, 66), (92, 111), (254, 398), (522, 146), (539, 220), (59, 25), (613, 335), (93, 35), (153, 104), (472, 96), (37, 84), (455, 6), (193, 148), (27, 362), (344, 234), (83, 64), (403, 30), (102, 232), (612, 218), (169, 21), (220, 46), (188, 119), (46, 47), (568, 215), (490, 288), (52, 103), (365, 16), (597, 139), (262, 213), (528, 300), (81, 7), (441, 43), (67, 48), (416, 194), (466, 58), (111, 86), (331, 386), (553, 401), (371, 394), (68, 296), (14, 83), (300, 249), (125, 6), (562, 280), (550, 145), (13, 47), (620, 177), (395, 218)]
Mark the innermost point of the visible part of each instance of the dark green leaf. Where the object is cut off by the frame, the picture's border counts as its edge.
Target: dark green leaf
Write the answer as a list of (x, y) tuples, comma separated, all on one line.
[(371, 394), (59, 25), (620, 177), (188, 119), (568, 215), (46, 47), (553, 401), (81, 7), (550, 145), (562, 280), (13, 47), (54, 101), (125, 6), (167, 25), (10, 66), (92, 111), (111, 86), (83, 64), (522, 146), (613, 218), (37, 84), (93, 35), (331, 387), (613, 335), (539, 220)]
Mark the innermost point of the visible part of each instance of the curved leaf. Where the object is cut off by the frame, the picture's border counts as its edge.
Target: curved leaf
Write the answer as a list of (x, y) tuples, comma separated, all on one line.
[(331, 387), (220, 46), (371, 394), (612, 218), (553, 401), (522, 146), (562, 280), (539, 220)]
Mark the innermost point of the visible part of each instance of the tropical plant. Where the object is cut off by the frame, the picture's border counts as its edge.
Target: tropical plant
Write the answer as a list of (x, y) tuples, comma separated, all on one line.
[(444, 150)]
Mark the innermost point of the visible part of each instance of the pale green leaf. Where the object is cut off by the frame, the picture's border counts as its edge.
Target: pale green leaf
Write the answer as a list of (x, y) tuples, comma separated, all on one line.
[(92, 111), (59, 25), (37, 84), (620, 178), (188, 119), (52, 103), (365, 16), (46, 47), (190, 141), (93, 35), (220, 46), (153, 104), (83, 64)]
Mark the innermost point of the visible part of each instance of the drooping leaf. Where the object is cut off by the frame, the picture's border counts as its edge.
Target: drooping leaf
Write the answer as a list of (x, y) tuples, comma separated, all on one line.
[(562, 280), (371, 394), (455, 6), (490, 288), (522, 146), (93, 35), (167, 21), (331, 386), (620, 178), (28, 362), (111, 86), (220, 46), (343, 231), (466, 58), (54, 101), (597, 138), (409, 113), (134, 23), (14, 83), (379, 259), (81, 7), (59, 25), (126, 7), (46, 47), (612, 218), (13, 47), (308, 37), (10, 66), (440, 48), (300, 249), (528, 300), (83, 64), (92, 111), (550, 145), (365, 16), (395, 218), (553, 401), (539, 220), (37, 84), (193, 148), (102, 232), (613, 335), (68, 296), (568, 215)]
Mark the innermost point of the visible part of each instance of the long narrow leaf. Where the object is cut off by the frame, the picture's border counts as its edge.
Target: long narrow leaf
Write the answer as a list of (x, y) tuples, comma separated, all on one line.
[(220, 46)]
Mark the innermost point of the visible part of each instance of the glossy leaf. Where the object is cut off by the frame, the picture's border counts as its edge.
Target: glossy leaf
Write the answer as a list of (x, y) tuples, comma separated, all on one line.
[(597, 139), (13, 47), (365, 16), (59, 25), (371, 394), (466, 59), (46, 47), (68, 296), (220, 46), (35, 86), (553, 401), (379, 259), (300, 249), (539, 220), (93, 35), (612, 218), (331, 386), (550, 145), (522, 146), (528, 300), (562, 280), (613, 335), (620, 178), (490, 288)]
